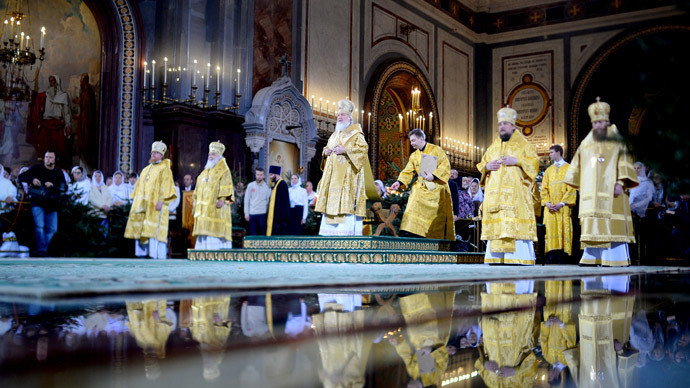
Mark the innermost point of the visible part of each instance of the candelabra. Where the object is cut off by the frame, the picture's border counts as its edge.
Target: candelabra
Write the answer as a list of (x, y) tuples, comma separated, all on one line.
[(16, 52)]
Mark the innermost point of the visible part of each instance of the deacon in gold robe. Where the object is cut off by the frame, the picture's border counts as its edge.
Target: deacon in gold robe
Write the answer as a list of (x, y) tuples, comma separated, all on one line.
[(429, 211), (557, 198), (558, 332), (602, 170), (212, 202), (508, 170), (601, 360), (151, 327), (151, 197), (347, 180), (423, 347), (506, 358), (211, 328)]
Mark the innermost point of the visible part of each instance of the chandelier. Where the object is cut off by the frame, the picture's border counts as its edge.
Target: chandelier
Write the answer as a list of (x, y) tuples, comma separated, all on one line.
[(17, 51)]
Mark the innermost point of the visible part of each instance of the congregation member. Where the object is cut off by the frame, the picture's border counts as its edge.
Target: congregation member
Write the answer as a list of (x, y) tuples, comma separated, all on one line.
[(256, 203), (641, 195), (80, 186), (429, 211), (109, 181), (508, 170), (8, 191), (311, 194), (148, 217), (44, 183), (347, 179), (602, 170), (188, 182), (99, 195), (465, 203), (213, 198), (278, 219), (119, 190), (475, 191), (557, 199), (380, 188), (132, 180), (299, 205)]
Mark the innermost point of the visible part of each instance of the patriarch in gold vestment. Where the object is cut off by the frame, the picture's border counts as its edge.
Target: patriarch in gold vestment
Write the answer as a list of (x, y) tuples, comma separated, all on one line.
[(602, 170), (557, 198), (508, 170), (347, 180), (506, 358), (151, 197), (212, 202), (429, 211), (211, 328), (151, 327)]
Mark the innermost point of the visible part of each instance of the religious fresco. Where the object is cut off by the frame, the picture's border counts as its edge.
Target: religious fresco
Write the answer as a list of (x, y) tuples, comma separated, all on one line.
[(285, 155), (391, 137), (272, 40), (56, 105)]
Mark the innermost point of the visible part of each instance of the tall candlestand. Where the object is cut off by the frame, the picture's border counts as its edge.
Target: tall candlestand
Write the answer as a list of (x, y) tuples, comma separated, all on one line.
[(165, 93), (206, 92), (153, 94), (217, 99), (143, 92), (192, 98)]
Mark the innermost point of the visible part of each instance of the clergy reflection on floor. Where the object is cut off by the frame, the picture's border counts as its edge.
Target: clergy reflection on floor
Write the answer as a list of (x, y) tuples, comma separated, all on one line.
[(593, 332)]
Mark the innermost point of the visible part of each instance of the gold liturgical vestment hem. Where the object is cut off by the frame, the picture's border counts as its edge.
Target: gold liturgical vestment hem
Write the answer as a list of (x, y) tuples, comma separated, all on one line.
[(556, 338), (559, 225), (347, 180), (508, 207), (155, 184), (429, 212), (211, 185), (150, 332), (595, 169)]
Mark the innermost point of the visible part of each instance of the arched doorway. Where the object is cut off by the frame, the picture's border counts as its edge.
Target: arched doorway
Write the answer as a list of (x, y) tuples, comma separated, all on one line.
[(641, 75), (389, 99)]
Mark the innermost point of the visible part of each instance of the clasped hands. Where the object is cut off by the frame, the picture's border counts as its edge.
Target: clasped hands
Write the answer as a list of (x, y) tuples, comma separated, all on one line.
[(553, 208), (338, 150), (504, 160)]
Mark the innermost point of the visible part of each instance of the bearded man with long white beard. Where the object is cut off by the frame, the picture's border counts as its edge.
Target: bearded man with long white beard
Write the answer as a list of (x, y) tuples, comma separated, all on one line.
[(212, 202), (347, 180)]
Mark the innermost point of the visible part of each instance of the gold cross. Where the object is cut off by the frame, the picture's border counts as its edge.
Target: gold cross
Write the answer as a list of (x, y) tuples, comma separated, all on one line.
[(574, 10), (498, 23), (535, 17), (616, 4)]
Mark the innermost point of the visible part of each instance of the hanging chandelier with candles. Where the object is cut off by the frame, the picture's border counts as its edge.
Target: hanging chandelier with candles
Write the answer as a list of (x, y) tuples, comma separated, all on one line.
[(17, 50)]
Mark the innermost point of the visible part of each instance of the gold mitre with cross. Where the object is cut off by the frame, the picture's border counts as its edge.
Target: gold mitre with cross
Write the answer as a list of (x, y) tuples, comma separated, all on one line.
[(507, 114), (599, 111), (159, 147), (346, 106), (216, 148)]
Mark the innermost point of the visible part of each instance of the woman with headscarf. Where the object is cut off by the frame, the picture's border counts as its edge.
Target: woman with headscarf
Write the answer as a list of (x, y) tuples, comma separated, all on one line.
[(380, 188), (80, 187), (99, 197), (8, 192), (299, 205), (119, 190)]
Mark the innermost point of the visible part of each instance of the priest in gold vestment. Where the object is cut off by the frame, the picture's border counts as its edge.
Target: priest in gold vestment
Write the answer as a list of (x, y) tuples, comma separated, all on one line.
[(602, 170), (506, 358), (558, 331), (347, 180), (211, 328), (151, 327), (557, 198), (508, 170), (213, 200), (428, 317), (151, 197), (429, 211)]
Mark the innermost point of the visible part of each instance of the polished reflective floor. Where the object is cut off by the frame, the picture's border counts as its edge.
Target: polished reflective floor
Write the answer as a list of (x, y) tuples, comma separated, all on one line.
[(609, 331)]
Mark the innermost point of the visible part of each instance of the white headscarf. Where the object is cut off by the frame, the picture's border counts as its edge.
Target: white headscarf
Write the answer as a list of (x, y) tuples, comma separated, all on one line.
[(119, 192), (379, 182), (7, 189), (93, 179), (81, 187), (480, 194)]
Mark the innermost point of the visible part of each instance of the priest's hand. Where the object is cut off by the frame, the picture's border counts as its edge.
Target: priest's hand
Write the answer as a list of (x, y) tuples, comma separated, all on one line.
[(428, 176), (395, 186), (618, 190), (508, 160), (493, 165), (339, 149), (327, 151), (159, 205), (219, 204), (491, 366)]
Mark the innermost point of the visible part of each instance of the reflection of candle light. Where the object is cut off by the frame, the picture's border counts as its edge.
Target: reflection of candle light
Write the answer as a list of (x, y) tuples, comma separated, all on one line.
[(369, 121)]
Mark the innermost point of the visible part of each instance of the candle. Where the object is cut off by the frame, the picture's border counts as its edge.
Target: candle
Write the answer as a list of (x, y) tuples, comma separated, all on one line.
[(21, 41), (19, 27), (362, 117), (327, 107), (431, 122), (238, 81), (153, 74), (11, 28), (217, 79), (145, 64), (208, 76), (194, 74), (4, 34), (369, 121), (400, 120), (27, 42), (43, 35), (165, 71), (320, 110)]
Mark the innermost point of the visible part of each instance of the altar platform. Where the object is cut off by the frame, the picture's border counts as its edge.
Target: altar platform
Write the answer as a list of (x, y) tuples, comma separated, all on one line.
[(350, 249)]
